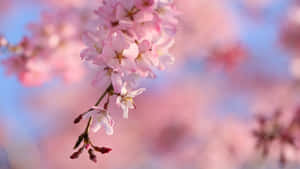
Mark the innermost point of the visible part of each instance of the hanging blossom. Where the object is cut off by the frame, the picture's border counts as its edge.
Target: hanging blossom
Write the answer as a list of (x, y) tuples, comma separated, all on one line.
[(128, 40), (131, 38), (49, 51), (125, 99), (102, 119)]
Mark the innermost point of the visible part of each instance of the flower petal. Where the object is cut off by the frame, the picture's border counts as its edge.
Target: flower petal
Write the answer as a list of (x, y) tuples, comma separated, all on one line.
[(136, 92), (96, 127), (125, 111)]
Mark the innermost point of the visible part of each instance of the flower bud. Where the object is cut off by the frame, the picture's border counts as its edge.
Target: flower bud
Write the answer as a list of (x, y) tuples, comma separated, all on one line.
[(102, 150), (76, 154), (92, 155), (78, 119)]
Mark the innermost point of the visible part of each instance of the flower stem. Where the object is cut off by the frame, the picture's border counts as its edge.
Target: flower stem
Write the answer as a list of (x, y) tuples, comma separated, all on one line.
[(108, 89), (88, 125)]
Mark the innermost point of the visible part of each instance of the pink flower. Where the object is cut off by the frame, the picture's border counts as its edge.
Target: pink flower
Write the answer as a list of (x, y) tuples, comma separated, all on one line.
[(120, 53), (167, 15), (145, 60), (107, 17), (107, 75), (101, 118), (127, 11), (125, 99), (144, 4), (161, 50), (95, 42)]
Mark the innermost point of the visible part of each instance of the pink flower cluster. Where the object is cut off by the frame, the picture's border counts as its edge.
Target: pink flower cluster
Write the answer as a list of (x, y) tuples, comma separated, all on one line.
[(130, 38), (51, 50)]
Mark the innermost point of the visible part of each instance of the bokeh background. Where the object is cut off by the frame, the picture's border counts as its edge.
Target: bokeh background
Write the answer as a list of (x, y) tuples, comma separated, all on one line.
[(234, 59)]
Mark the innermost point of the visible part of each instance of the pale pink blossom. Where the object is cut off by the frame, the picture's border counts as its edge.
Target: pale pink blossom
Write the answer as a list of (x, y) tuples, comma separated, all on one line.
[(107, 75), (120, 53), (101, 118), (95, 42), (128, 11), (49, 51), (125, 99), (145, 60)]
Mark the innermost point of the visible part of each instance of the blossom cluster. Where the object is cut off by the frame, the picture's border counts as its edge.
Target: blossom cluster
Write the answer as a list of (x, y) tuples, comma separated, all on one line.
[(130, 38), (51, 50)]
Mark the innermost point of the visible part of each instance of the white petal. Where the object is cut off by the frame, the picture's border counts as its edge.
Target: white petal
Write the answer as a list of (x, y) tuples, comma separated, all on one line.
[(125, 111), (132, 51), (136, 92), (118, 101), (123, 89), (116, 81), (130, 105), (108, 129), (96, 127), (88, 114)]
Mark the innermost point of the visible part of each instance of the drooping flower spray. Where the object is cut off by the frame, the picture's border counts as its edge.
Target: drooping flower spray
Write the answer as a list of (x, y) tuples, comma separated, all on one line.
[(128, 40)]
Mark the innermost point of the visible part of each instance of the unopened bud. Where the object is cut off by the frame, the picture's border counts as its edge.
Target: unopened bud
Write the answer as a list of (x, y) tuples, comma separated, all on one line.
[(76, 154), (78, 119), (102, 150), (92, 155)]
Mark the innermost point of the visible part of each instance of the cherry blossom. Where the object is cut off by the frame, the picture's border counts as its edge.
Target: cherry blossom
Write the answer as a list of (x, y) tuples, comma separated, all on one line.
[(49, 51), (101, 119), (125, 99)]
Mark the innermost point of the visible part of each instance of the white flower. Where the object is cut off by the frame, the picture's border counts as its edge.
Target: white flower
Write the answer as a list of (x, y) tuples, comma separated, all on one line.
[(101, 118), (125, 99)]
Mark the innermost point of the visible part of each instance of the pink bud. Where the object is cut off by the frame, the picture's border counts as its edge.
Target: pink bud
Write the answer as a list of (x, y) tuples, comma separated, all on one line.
[(92, 155), (102, 150)]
